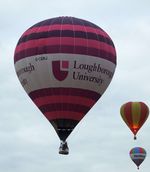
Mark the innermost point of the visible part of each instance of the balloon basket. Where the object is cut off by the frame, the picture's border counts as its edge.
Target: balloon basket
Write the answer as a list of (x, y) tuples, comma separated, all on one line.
[(63, 149)]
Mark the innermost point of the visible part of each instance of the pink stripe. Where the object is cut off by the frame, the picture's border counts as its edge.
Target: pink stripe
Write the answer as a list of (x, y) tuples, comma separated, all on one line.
[(64, 115), (65, 27), (63, 99), (65, 41)]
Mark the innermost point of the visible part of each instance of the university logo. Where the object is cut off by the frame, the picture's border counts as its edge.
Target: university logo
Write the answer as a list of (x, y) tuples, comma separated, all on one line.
[(60, 69)]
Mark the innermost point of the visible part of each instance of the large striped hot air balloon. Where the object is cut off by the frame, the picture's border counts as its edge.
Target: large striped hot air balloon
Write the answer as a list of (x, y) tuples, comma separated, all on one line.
[(137, 155), (65, 64), (134, 115)]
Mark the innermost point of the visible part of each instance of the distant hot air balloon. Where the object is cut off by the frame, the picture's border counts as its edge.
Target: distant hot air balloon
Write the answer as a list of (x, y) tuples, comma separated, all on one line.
[(65, 64), (134, 115), (137, 155)]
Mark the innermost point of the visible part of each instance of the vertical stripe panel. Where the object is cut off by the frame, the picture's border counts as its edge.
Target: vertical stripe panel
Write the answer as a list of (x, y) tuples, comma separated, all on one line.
[(136, 114), (123, 115), (144, 113), (127, 114), (141, 150)]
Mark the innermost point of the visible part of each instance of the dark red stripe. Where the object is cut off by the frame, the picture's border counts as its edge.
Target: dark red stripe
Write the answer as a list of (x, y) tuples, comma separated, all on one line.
[(141, 150), (77, 116), (64, 107), (65, 49), (64, 91), (144, 114), (65, 20), (66, 33), (128, 113), (65, 27)]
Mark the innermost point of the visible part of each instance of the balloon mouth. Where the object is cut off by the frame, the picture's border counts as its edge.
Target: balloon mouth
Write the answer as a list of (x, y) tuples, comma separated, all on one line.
[(135, 130)]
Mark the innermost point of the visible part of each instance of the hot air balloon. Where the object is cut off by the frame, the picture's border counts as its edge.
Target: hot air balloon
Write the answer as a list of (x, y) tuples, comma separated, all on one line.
[(134, 115), (137, 155), (65, 64)]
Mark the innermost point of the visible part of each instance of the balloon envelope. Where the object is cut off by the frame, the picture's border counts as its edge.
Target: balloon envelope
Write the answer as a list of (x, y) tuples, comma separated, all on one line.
[(134, 115), (65, 64), (137, 155)]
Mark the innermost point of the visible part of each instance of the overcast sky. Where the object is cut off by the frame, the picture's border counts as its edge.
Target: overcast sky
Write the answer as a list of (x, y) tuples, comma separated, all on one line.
[(101, 142)]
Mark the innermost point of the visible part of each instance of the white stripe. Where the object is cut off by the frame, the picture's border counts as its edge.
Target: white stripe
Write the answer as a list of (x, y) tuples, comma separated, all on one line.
[(138, 156), (35, 72)]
